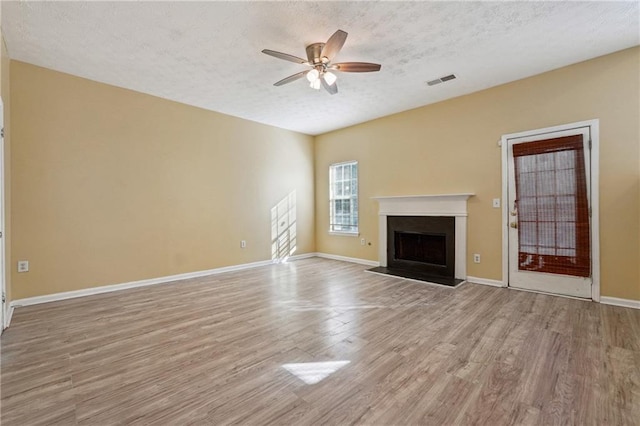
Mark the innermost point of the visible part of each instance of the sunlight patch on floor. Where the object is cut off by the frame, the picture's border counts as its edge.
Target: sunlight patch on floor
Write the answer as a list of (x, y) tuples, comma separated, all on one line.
[(314, 372)]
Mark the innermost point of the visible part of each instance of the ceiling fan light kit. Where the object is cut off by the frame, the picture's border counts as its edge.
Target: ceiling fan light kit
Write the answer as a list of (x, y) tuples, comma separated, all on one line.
[(319, 57), (315, 84), (330, 78), (313, 75)]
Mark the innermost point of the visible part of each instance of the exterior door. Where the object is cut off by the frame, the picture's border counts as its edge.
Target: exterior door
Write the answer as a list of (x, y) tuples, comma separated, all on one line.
[(549, 205)]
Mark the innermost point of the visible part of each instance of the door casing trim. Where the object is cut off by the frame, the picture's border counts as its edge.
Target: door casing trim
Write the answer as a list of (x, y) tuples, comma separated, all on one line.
[(594, 131), (6, 315)]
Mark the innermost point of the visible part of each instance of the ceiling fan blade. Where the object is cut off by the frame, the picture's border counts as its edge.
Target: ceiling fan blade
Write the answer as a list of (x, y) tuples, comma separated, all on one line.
[(285, 56), (334, 44), (333, 88), (356, 67), (291, 78)]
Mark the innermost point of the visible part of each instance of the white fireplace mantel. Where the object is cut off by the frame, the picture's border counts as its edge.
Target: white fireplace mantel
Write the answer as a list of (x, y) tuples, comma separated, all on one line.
[(427, 205)]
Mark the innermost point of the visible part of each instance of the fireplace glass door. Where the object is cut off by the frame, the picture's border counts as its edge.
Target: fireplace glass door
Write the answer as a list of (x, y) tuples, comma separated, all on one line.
[(421, 247)]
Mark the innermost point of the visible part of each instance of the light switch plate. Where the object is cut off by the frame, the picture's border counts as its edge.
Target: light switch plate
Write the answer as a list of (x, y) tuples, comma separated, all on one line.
[(496, 203), (23, 266)]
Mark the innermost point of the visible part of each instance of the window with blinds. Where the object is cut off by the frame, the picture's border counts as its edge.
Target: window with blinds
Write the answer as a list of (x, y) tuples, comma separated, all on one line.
[(343, 197), (552, 206)]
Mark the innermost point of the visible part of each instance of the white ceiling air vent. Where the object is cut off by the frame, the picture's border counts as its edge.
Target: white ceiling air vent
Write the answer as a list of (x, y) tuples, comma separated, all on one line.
[(441, 79)]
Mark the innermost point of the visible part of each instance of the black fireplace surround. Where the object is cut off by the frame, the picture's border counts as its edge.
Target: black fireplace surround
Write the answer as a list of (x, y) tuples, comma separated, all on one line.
[(422, 248), (422, 243)]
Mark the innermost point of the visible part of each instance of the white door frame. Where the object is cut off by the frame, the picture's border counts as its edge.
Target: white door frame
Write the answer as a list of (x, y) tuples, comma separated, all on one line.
[(3, 268), (594, 130)]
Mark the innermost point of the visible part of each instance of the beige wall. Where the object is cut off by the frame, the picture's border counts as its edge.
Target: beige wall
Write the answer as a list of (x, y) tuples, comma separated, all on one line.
[(451, 147), (111, 186), (6, 98)]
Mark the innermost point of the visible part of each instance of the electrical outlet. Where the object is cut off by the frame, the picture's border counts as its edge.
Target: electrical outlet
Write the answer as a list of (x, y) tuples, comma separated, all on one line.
[(363, 241), (243, 244), (476, 258), (496, 203), (23, 266)]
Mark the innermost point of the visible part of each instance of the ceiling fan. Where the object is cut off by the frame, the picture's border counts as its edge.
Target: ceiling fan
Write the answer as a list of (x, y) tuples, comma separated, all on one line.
[(319, 57)]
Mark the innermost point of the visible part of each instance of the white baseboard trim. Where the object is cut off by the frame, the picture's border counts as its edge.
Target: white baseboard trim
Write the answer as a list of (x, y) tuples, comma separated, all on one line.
[(348, 259), (626, 303), (7, 317), (143, 283), (485, 281)]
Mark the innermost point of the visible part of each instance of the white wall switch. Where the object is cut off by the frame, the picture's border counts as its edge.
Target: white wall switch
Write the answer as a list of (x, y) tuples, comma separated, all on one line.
[(23, 266), (476, 258), (496, 203), (363, 241), (243, 244)]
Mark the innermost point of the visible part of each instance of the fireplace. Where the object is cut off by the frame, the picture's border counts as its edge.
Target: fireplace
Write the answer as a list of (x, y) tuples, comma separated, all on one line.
[(420, 248), (423, 237), (422, 243)]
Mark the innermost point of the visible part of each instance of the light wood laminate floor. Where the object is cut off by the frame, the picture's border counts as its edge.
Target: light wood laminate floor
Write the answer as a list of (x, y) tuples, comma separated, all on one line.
[(212, 350)]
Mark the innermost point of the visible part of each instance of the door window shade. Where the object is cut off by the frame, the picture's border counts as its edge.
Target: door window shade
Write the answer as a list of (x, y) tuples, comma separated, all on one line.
[(552, 206)]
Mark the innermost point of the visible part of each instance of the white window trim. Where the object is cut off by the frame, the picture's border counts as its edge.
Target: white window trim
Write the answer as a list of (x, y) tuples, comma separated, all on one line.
[(345, 233)]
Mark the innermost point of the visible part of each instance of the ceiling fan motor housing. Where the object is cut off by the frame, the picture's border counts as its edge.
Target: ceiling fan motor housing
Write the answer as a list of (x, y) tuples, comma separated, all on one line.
[(314, 54)]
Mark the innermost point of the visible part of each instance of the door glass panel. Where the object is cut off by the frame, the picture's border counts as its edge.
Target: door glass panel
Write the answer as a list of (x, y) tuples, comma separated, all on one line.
[(528, 185), (546, 210), (545, 182), (552, 206), (544, 162), (527, 209), (566, 208), (565, 181), (546, 234)]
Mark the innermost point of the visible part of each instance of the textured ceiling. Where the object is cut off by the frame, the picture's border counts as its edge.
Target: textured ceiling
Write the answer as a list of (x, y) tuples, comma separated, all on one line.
[(208, 54)]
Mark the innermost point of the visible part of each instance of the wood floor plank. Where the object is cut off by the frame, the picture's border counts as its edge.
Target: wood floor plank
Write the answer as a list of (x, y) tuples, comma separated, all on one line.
[(213, 351)]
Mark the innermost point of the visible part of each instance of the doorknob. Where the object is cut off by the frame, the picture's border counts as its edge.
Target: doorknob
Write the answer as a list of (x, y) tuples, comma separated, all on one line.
[(514, 225)]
